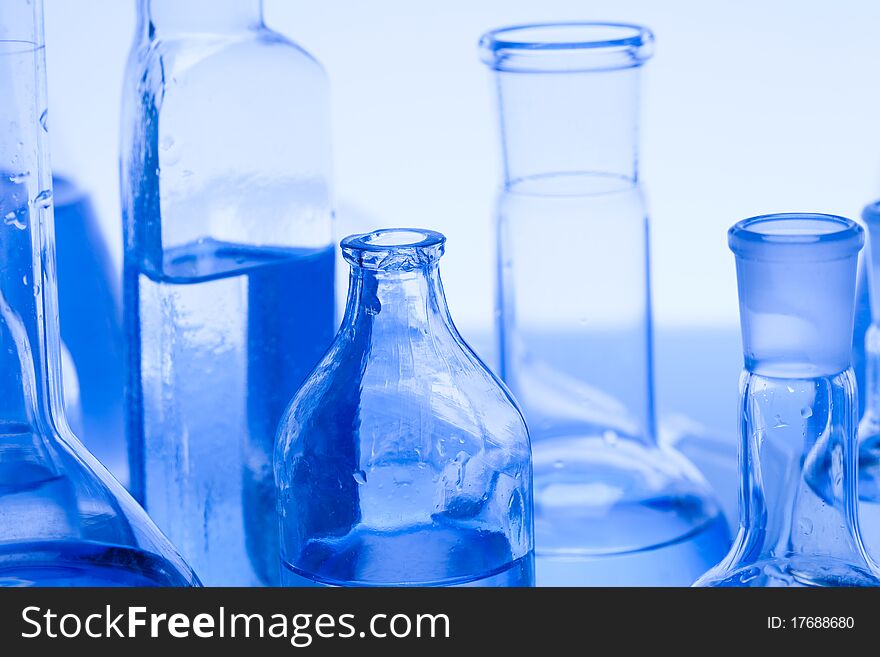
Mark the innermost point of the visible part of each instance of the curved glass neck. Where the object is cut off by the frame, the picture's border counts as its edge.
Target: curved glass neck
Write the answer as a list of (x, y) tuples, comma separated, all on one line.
[(408, 302), (798, 461), (29, 348), (198, 16)]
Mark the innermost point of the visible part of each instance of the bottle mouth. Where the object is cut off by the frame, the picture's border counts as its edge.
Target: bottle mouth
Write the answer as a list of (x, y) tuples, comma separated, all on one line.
[(394, 249), (567, 47), (802, 236)]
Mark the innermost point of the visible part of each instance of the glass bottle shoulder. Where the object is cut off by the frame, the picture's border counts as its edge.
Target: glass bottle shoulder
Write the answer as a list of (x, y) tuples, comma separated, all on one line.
[(431, 385), (258, 54)]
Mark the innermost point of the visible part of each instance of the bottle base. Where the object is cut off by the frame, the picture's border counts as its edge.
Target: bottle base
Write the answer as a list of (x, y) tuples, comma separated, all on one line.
[(81, 563), (801, 572), (621, 513)]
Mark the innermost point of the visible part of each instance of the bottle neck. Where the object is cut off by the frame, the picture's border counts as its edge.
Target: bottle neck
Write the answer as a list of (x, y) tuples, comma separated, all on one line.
[(199, 16), (798, 463), (409, 303), (573, 122)]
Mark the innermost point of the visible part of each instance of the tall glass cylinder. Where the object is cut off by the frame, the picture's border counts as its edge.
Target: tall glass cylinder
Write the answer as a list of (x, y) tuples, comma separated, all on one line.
[(574, 315), (64, 521), (228, 271), (798, 403)]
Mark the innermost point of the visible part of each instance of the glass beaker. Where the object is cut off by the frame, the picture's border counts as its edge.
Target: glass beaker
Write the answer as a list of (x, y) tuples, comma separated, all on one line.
[(402, 460), (228, 270), (798, 452), (574, 319), (66, 521)]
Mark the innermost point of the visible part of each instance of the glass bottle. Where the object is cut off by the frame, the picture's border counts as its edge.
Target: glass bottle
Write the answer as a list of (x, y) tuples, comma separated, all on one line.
[(869, 427), (65, 520), (574, 320), (228, 270), (90, 314), (798, 453), (402, 460)]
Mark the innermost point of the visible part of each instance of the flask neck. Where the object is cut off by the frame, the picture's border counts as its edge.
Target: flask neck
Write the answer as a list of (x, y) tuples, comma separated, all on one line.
[(29, 346), (573, 122), (158, 17), (798, 461), (407, 303)]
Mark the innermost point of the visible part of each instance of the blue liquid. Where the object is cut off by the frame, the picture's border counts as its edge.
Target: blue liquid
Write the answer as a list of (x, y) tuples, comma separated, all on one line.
[(221, 339), (81, 563), (91, 325), (421, 555)]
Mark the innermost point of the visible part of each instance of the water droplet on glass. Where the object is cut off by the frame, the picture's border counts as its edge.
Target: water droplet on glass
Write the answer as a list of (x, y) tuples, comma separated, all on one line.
[(461, 460), (44, 120), (43, 199), (166, 143), (806, 526), (14, 220), (18, 178), (360, 477), (24, 279), (610, 437), (806, 412), (780, 422), (789, 388), (37, 290)]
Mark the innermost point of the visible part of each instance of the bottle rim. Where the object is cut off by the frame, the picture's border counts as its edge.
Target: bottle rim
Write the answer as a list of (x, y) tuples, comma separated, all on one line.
[(393, 248), (803, 236), (567, 46)]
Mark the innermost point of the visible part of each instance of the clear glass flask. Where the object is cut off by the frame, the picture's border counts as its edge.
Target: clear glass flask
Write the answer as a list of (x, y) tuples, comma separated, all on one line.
[(574, 319), (402, 460), (798, 453), (65, 520), (228, 270), (869, 427)]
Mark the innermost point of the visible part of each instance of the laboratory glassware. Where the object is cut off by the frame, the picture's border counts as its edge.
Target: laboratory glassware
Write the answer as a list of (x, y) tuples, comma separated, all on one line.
[(228, 270), (90, 314), (612, 507), (869, 427), (403, 460), (798, 452), (65, 520)]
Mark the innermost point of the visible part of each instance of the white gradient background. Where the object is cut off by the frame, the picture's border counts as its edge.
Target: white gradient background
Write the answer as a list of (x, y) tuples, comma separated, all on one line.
[(750, 107)]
